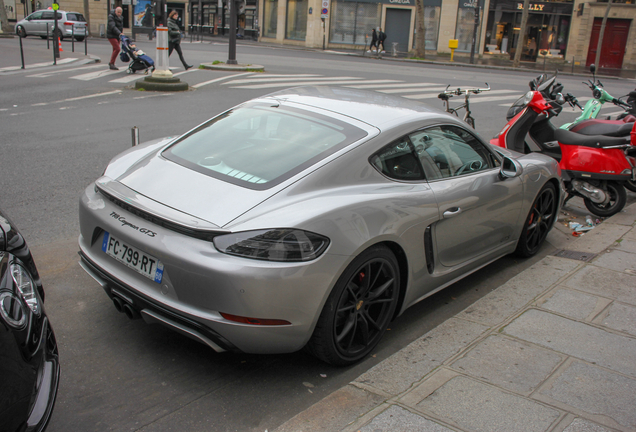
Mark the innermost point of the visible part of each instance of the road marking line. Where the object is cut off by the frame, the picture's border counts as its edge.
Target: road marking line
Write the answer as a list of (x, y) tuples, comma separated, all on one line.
[(36, 65), (51, 73), (309, 83), (79, 98), (129, 78), (95, 75), (411, 90), (220, 79), (260, 80), (371, 86)]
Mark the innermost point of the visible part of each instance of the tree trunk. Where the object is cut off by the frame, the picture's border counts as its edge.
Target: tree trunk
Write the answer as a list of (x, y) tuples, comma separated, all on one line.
[(522, 32), (599, 44), (420, 30)]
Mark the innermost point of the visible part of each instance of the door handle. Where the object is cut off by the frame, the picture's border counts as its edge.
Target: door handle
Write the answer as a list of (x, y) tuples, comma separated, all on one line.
[(454, 211)]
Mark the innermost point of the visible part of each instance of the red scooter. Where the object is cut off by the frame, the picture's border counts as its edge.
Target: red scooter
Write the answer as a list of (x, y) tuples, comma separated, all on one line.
[(593, 167)]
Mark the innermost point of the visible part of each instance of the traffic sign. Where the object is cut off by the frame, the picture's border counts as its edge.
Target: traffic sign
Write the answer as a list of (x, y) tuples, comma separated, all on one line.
[(55, 6)]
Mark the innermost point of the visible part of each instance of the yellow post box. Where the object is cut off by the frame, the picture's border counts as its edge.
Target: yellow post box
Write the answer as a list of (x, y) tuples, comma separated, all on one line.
[(453, 44)]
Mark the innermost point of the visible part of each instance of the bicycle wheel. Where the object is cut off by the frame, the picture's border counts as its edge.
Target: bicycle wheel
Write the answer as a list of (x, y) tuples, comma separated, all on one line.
[(471, 122)]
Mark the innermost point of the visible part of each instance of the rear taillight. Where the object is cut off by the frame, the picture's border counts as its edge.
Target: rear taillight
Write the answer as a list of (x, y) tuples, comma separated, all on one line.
[(68, 23)]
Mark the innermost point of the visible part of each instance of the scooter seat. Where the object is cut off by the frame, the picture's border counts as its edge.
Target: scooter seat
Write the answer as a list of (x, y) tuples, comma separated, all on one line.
[(596, 141), (601, 127)]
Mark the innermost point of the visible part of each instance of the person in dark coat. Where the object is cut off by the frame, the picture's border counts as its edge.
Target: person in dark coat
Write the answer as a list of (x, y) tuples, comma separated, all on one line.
[(374, 41), (174, 37), (381, 39), (114, 30)]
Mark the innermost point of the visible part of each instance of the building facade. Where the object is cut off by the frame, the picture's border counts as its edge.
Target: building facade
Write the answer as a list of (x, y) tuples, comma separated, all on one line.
[(560, 31)]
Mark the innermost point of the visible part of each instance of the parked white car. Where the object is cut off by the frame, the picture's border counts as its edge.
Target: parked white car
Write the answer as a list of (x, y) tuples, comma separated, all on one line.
[(41, 23)]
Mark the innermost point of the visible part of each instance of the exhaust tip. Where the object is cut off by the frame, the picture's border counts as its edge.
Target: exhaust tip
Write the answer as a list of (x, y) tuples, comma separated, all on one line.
[(119, 304), (130, 311)]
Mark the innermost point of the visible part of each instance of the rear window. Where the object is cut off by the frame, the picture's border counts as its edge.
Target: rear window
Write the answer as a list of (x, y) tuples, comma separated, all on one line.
[(75, 17), (258, 145)]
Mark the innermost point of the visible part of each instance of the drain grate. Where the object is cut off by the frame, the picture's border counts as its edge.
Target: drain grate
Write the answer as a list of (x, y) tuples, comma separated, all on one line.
[(579, 256)]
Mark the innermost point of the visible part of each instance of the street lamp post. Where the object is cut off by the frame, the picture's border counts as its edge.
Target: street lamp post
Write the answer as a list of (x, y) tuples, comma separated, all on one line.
[(232, 51)]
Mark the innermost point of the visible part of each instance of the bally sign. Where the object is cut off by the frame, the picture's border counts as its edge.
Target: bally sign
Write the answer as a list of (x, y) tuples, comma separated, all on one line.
[(533, 7)]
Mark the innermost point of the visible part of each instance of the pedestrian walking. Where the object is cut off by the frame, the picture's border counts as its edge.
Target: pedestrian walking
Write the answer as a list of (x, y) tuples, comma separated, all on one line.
[(381, 39), (114, 30), (374, 41), (174, 37)]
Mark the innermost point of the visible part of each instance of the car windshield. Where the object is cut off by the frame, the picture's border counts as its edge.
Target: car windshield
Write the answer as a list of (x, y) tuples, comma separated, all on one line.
[(258, 146)]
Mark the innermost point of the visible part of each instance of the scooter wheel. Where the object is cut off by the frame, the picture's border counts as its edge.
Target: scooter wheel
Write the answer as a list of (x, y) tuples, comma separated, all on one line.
[(618, 198), (631, 185)]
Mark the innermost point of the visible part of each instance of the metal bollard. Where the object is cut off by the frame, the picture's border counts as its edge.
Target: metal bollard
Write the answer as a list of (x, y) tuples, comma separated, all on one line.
[(394, 49), (73, 38), (47, 38), (135, 136), (21, 52)]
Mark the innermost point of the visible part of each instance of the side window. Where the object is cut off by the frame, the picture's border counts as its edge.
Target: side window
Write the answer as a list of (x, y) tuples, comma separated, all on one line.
[(47, 15), (398, 160), (35, 16), (450, 151)]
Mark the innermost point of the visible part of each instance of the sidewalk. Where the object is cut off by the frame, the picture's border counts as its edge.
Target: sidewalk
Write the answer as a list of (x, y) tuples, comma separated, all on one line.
[(553, 349)]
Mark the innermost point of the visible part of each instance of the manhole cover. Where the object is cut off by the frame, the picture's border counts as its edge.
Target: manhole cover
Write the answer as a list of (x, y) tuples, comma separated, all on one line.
[(579, 256)]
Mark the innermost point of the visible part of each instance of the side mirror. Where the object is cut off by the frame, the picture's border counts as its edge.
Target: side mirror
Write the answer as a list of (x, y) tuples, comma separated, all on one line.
[(510, 168), (593, 68)]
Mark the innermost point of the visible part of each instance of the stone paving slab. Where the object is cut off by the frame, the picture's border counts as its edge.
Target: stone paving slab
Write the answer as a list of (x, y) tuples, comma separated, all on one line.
[(617, 260), (398, 419), (572, 303), (334, 412), (604, 282), (400, 371), (608, 396), (600, 238), (518, 291), (475, 406), (508, 363), (583, 341), (621, 317), (582, 425)]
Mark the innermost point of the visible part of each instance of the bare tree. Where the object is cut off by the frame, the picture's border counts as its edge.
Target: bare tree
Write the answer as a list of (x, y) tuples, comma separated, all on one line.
[(6, 27), (420, 30)]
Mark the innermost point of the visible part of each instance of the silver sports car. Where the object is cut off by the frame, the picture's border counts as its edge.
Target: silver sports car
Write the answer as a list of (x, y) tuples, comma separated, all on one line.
[(310, 217)]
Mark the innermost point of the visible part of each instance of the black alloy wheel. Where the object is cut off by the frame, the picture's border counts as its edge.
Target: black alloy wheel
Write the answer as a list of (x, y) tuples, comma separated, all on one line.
[(359, 309), (618, 199), (538, 222), (21, 32)]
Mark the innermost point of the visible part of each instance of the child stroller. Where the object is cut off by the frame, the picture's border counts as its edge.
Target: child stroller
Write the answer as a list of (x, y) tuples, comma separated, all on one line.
[(138, 60)]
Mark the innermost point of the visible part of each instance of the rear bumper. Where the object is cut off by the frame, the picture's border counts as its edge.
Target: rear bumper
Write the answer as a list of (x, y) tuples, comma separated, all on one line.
[(154, 313)]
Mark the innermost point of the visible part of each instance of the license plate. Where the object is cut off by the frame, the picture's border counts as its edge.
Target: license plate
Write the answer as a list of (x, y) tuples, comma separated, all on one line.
[(132, 257)]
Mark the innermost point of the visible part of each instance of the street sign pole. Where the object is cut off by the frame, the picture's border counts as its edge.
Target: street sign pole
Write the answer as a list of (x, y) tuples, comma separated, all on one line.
[(56, 43), (324, 14)]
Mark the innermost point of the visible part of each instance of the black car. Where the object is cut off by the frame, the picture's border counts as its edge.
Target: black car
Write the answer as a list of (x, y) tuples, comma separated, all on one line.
[(29, 365)]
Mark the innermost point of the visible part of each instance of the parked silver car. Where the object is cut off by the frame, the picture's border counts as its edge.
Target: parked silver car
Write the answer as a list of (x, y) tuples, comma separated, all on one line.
[(310, 217), (39, 22)]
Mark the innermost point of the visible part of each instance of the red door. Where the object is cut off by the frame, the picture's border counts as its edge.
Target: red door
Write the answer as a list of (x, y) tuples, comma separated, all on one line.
[(614, 41)]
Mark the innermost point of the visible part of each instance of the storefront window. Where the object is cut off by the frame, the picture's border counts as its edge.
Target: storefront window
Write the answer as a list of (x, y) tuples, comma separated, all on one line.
[(351, 22), (270, 21), (546, 32), (296, 28), (431, 26), (466, 25)]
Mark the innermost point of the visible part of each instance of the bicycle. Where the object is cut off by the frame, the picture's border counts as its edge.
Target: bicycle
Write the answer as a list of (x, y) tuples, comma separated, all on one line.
[(447, 94)]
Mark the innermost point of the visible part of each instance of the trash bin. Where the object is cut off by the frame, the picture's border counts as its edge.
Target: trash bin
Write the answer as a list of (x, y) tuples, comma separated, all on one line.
[(394, 49), (102, 30)]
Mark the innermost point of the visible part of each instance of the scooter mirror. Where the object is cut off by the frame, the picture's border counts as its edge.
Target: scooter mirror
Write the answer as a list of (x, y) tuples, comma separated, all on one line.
[(560, 99), (593, 68)]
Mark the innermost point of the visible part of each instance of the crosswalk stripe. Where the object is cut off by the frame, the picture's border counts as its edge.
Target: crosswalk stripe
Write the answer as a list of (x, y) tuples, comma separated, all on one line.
[(219, 79), (262, 80), (94, 75), (410, 90), (128, 78), (79, 98), (37, 65), (51, 73), (387, 86), (459, 98), (308, 83)]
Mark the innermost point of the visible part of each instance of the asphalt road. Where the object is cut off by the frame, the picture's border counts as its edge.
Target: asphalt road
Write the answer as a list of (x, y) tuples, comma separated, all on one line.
[(58, 132)]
